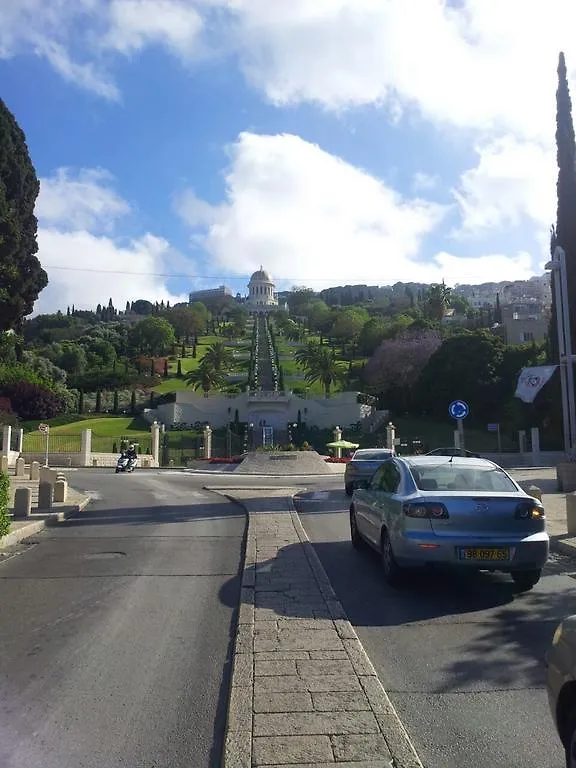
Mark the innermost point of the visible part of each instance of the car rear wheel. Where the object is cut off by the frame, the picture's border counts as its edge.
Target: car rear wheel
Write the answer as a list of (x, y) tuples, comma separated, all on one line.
[(349, 488), (525, 580), (393, 573), (355, 536)]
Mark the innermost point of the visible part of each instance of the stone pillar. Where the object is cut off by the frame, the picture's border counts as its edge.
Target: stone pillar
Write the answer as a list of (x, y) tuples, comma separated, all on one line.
[(22, 503), (390, 435), (4, 464), (20, 467), (522, 441), (45, 493), (35, 470), (86, 448), (208, 442), (156, 442), (60, 489), (337, 436), (19, 440), (571, 514), (6, 439), (535, 438)]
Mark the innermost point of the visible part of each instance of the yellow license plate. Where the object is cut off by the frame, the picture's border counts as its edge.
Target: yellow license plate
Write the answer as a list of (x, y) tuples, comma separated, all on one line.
[(484, 554)]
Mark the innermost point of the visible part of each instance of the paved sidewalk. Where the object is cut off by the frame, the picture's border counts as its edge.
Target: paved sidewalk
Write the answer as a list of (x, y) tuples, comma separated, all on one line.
[(304, 692), (22, 529)]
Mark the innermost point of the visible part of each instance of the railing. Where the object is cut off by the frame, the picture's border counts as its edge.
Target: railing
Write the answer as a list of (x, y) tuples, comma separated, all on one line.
[(263, 395), (35, 442)]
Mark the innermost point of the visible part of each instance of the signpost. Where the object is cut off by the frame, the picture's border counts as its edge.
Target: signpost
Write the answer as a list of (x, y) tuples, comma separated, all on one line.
[(45, 428), (496, 428), (459, 410)]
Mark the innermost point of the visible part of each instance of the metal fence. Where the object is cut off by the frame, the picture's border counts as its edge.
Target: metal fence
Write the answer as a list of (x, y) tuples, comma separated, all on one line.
[(35, 442), (115, 444)]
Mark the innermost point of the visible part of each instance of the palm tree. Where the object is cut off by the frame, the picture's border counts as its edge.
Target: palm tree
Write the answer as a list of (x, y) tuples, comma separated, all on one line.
[(320, 364), (437, 301), (206, 377), (219, 356)]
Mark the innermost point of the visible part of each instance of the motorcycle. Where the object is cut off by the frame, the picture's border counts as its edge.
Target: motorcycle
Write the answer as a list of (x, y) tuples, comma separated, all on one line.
[(126, 463)]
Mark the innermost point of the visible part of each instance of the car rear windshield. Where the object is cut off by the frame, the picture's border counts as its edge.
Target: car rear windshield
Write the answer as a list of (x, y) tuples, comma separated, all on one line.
[(453, 477), (371, 456)]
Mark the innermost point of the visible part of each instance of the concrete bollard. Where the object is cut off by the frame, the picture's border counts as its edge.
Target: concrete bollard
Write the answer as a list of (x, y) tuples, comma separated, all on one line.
[(535, 492), (45, 495), (571, 513), (35, 470), (20, 467), (60, 491), (4, 464), (94, 462), (22, 503)]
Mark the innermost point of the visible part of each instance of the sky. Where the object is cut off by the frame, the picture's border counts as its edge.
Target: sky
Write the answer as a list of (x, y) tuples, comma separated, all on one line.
[(181, 144)]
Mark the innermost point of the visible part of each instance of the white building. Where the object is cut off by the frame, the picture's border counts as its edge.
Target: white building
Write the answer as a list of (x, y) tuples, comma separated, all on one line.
[(262, 296)]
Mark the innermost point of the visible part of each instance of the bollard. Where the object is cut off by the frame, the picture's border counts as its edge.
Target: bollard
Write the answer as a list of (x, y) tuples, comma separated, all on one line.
[(571, 513), (94, 462), (4, 464), (60, 491), (20, 467), (45, 494), (35, 470), (22, 503), (535, 492)]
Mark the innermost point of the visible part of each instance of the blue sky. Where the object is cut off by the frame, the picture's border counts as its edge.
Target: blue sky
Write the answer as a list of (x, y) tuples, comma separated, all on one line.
[(326, 139)]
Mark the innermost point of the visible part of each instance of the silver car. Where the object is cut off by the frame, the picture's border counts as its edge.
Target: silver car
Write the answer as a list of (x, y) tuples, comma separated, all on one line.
[(456, 511), (561, 684), (362, 466)]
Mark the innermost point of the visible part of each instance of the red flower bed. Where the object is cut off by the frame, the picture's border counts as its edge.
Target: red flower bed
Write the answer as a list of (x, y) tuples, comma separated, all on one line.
[(220, 460), (336, 460)]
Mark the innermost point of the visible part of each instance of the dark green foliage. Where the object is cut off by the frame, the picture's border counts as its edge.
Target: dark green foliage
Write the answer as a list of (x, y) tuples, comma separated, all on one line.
[(4, 497), (98, 407), (179, 371), (166, 372), (133, 402), (81, 402), (33, 401), (115, 406), (21, 275)]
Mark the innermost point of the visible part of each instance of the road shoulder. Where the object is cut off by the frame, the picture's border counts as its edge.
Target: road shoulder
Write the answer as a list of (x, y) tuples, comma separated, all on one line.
[(303, 691)]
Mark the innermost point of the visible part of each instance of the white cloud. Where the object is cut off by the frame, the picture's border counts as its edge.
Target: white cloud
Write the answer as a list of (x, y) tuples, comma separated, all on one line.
[(85, 267), (82, 200), (137, 23), (484, 269), (310, 217), (467, 66), (512, 184)]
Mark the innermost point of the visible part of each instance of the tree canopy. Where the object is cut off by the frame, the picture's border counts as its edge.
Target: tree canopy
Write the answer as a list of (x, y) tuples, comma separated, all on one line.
[(21, 275)]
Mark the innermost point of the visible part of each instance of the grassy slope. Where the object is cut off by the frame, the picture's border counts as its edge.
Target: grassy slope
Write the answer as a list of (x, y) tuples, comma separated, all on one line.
[(189, 363)]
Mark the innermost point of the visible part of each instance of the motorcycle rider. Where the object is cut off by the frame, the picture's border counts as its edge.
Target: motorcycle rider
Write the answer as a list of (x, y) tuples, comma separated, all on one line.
[(130, 452)]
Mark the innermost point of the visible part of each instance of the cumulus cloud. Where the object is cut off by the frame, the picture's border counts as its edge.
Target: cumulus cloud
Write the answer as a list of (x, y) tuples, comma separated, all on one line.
[(311, 217), (86, 264), (514, 182), (84, 199)]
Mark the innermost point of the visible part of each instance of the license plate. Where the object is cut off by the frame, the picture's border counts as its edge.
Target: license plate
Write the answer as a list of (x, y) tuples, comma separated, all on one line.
[(484, 554)]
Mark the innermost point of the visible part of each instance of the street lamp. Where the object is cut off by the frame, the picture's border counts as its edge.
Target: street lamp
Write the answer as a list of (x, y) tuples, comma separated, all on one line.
[(557, 266)]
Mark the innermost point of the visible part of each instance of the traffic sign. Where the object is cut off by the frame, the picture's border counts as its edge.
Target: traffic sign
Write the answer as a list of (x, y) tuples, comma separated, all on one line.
[(458, 409), (43, 427), (493, 427)]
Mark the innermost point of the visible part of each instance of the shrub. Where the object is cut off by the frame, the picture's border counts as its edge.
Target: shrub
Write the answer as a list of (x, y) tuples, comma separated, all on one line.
[(4, 497), (32, 401), (336, 460)]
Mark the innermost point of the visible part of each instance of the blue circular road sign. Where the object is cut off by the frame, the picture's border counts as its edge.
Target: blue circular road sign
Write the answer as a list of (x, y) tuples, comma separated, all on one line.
[(458, 409)]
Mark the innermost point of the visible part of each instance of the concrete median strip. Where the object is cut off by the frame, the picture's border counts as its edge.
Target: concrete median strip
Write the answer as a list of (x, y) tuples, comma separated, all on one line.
[(303, 690)]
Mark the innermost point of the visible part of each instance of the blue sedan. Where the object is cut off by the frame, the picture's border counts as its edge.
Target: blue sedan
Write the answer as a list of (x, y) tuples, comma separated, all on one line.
[(464, 512)]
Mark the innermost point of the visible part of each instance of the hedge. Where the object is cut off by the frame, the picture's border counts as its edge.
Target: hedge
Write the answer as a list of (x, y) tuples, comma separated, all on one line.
[(4, 499)]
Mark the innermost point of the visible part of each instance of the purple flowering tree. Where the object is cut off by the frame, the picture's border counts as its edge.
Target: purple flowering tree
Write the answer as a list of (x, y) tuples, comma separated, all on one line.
[(398, 362)]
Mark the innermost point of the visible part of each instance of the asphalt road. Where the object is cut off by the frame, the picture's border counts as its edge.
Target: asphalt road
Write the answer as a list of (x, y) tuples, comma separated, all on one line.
[(461, 658), (115, 629)]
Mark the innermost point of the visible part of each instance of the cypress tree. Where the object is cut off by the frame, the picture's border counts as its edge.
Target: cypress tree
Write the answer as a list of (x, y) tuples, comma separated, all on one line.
[(133, 402), (98, 408), (166, 369), (21, 275), (564, 234), (179, 372), (116, 404)]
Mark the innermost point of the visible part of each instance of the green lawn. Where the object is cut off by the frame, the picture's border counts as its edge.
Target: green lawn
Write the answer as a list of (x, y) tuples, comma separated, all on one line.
[(188, 363), (440, 434)]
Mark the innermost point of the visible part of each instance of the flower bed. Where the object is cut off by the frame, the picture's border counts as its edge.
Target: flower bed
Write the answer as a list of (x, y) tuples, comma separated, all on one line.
[(221, 460), (336, 460)]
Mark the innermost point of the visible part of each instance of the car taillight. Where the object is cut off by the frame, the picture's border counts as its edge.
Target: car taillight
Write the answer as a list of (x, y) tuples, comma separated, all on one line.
[(430, 510), (529, 510)]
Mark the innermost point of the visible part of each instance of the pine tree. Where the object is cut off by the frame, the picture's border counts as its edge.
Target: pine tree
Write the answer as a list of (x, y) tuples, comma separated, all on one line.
[(133, 402), (179, 371), (116, 403), (565, 231), (498, 310)]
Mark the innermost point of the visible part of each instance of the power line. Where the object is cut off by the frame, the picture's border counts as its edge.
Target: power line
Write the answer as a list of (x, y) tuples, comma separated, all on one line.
[(186, 276)]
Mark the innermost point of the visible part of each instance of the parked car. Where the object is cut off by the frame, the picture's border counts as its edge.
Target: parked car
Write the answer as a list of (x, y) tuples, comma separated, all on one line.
[(450, 511), (561, 684), (364, 462), (452, 452)]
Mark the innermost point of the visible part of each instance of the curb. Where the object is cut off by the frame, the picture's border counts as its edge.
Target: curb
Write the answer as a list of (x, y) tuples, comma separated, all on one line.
[(562, 547), (39, 525), (237, 752)]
